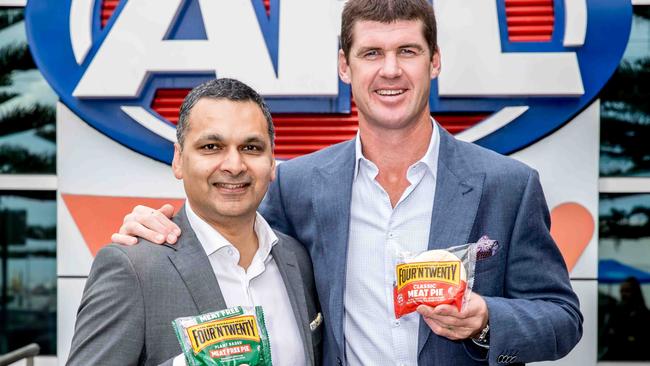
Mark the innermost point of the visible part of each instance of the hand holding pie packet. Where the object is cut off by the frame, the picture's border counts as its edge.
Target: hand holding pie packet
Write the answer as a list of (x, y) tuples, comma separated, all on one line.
[(434, 277)]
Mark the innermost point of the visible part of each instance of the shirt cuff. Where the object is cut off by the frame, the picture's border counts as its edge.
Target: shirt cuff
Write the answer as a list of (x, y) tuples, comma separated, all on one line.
[(179, 360)]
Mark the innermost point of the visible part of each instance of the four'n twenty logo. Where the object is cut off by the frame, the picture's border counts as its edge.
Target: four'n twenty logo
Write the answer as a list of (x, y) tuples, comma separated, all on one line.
[(511, 74)]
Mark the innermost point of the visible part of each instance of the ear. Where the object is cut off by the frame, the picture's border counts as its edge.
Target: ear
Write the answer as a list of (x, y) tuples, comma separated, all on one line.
[(273, 168), (344, 68), (435, 63), (177, 163)]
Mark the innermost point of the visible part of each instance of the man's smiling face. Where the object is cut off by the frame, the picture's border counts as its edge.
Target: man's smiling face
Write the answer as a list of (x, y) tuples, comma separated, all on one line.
[(226, 162), (390, 68)]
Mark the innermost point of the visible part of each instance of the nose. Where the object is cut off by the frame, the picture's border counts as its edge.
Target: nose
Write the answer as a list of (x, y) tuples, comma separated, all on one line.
[(233, 162), (391, 67)]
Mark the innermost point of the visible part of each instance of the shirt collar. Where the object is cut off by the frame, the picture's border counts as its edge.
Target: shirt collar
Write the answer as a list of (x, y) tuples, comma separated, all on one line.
[(429, 159), (212, 240)]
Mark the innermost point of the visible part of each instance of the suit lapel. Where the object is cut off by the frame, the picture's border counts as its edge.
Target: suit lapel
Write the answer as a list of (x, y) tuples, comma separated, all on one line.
[(194, 267), (458, 194), (292, 278), (332, 184)]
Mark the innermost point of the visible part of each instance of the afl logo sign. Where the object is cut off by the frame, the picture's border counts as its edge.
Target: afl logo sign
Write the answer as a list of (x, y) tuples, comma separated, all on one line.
[(123, 65)]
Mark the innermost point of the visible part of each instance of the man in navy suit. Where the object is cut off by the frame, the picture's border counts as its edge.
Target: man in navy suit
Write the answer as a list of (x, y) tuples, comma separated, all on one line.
[(404, 184)]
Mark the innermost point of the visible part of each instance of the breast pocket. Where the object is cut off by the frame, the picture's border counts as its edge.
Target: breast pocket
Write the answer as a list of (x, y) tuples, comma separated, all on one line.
[(488, 275), (488, 264)]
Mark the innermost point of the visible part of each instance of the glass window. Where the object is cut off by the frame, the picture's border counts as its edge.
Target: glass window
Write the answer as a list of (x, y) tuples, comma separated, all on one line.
[(28, 270), (625, 111), (27, 218), (624, 277), (624, 244), (27, 104)]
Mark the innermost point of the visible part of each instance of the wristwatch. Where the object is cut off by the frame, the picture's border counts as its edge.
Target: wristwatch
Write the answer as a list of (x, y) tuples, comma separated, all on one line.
[(483, 339)]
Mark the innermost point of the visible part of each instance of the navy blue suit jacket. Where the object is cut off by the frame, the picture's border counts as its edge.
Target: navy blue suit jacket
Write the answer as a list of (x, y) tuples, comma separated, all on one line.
[(533, 312)]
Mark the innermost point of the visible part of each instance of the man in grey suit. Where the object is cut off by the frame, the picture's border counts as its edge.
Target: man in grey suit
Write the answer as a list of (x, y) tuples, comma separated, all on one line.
[(227, 256), (404, 184)]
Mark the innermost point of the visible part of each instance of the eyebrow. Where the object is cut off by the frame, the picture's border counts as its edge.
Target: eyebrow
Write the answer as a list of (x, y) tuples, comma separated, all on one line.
[(213, 137), (366, 49), (210, 137), (407, 45), (412, 45)]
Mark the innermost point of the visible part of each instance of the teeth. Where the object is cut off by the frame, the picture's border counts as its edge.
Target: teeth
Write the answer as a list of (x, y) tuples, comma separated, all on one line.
[(231, 186), (390, 91)]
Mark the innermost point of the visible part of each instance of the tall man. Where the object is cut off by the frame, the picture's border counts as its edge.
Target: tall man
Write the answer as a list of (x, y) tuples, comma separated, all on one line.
[(404, 184), (228, 255)]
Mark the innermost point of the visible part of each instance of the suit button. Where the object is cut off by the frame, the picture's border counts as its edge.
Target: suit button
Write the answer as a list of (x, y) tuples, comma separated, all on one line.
[(339, 362)]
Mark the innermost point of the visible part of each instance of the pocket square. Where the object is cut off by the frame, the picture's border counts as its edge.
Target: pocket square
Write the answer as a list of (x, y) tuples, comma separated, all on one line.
[(316, 322), (485, 248)]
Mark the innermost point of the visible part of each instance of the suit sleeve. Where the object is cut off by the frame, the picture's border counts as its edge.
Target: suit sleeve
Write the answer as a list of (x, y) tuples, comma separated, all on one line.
[(110, 322), (538, 318), (272, 207)]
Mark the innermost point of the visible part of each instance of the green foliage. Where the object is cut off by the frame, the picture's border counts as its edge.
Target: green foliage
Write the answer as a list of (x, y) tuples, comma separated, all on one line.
[(622, 139), (618, 224), (18, 160), (5, 78), (630, 84), (27, 118), (625, 120), (5, 96), (16, 57), (46, 133), (9, 16)]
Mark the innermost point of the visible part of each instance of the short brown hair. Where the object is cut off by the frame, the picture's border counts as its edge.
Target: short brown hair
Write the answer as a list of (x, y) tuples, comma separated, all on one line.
[(228, 89), (388, 11)]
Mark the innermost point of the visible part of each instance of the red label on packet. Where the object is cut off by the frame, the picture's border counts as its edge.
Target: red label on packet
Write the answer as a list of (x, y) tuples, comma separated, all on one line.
[(432, 278)]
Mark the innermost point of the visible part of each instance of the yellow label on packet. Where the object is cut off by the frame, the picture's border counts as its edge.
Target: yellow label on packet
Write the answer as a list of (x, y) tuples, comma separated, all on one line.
[(438, 271), (206, 334)]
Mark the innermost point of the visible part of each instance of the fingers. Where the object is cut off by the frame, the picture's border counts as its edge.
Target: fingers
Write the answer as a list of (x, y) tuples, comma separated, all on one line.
[(443, 330), (150, 224), (442, 316), (167, 210), (134, 228), (449, 322), (123, 239)]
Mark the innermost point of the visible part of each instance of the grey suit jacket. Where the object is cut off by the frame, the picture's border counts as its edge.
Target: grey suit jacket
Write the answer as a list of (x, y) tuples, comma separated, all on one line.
[(534, 313), (133, 294)]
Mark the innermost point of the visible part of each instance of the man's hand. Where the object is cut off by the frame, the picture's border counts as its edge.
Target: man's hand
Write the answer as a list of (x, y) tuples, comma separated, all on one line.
[(150, 224), (446, 321)]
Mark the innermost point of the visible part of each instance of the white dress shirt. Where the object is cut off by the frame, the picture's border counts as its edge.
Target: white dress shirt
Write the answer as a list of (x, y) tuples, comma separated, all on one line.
[(378, 232), (260, 285)]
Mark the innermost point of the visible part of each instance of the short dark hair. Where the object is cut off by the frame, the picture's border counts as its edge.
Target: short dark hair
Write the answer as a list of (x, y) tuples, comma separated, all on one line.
[(388, 11), (230, 89)]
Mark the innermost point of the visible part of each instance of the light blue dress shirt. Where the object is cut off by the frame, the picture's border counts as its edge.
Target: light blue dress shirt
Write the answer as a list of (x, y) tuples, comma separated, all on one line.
[(378, 233)]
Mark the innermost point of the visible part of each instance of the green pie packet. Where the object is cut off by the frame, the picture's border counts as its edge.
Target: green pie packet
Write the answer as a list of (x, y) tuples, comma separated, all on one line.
[(229, 337)]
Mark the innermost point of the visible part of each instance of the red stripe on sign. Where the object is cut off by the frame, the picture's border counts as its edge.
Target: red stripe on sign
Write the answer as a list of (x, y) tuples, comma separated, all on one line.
[(530, 20), (298, 134), (108, 7), (456, 123), (167, 102), (267, 6)]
